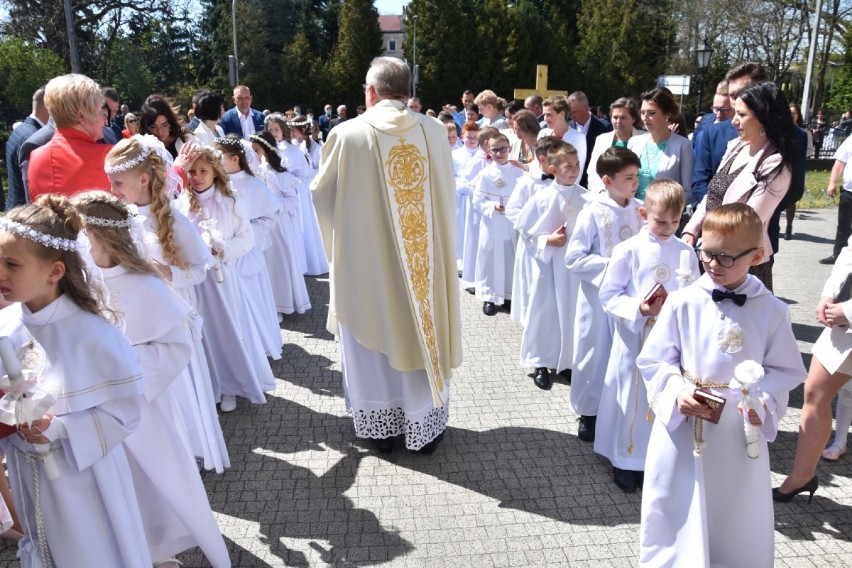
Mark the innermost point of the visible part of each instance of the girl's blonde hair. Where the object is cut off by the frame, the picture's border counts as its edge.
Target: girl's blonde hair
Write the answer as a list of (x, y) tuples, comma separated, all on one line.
[(54, 215), (153, 165), (221, 181), (116, 240)]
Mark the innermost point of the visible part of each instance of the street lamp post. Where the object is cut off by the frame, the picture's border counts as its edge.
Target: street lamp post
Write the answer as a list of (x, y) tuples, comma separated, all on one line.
[(414, 73), (234, 65), (703, 55)]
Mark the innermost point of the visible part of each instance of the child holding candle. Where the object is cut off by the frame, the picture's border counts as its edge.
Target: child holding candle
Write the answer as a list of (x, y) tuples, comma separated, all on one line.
[(238, 365), (705, 500), (640, 265), (172, 500), (88, 515), (139, 169), (495, 255)]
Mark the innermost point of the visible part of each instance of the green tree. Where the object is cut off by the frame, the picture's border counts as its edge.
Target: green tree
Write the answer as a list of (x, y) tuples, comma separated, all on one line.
[(634, 36), (442, 51), (360, 40), (23, 69), (304, 75), (841, 89)]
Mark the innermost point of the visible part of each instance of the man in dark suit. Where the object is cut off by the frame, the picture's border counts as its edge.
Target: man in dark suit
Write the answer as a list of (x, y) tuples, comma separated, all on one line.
[(325, 120), (38, 139), (341, 117), (591, 126), (115, 121), (722, 111), (242, 120), (27, 128)]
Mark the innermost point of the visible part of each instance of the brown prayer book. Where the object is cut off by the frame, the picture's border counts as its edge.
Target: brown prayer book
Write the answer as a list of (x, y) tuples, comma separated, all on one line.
[(714, 401)]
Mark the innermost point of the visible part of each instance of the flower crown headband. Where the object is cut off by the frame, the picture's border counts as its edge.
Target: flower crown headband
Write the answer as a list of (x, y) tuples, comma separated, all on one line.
[(27, 232), (260, 140), (150, 145), (112, 223), (231, 143)]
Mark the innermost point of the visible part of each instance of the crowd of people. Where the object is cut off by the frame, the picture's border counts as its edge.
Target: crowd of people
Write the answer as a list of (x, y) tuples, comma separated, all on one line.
[(637, 261)]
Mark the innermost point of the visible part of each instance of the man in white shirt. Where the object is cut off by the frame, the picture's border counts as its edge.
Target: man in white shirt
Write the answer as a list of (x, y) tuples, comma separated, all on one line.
[(583, 121), (242, 120), (842, 165)]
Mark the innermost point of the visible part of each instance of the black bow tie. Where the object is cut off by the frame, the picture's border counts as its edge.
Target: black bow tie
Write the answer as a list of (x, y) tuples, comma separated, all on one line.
[(738, 299), (547, 176)]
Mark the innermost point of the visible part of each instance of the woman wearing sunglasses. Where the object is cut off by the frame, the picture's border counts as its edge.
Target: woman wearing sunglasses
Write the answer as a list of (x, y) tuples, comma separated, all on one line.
[(131, 125)]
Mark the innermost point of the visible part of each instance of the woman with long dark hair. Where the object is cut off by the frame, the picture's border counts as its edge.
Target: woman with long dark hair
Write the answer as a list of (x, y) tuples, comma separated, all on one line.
[(160, 118), (756, 169)]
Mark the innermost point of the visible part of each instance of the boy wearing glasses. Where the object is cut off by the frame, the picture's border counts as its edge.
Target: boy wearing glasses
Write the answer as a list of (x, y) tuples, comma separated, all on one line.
[(707, 499), (495, 256), (609, 219), (545, 224), (641, 272)]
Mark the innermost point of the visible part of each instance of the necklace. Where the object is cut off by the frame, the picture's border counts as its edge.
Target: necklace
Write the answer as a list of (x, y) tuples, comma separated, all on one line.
[(31, 354)]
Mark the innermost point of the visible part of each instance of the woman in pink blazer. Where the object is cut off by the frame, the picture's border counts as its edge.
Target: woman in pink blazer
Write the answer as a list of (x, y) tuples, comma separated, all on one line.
[(756, 167)]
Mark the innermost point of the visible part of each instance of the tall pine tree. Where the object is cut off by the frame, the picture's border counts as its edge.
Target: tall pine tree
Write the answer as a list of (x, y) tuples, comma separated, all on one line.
[(360, 40)]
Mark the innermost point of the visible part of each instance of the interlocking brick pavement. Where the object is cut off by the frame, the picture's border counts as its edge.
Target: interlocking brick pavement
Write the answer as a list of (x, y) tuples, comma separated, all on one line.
[(511, 485)]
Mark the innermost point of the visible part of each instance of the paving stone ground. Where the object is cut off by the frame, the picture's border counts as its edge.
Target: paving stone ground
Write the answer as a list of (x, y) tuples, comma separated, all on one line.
[(511, 485)]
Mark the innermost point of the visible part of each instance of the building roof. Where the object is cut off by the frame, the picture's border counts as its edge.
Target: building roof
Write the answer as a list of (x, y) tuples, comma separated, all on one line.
[(391, 23)]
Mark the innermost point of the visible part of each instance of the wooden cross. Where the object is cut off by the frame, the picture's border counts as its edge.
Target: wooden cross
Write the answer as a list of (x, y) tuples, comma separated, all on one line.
[(540, 86)]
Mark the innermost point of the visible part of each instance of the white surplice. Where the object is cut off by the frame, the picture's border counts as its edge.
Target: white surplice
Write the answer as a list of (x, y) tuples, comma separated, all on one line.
[(574, 137), (636, 267), (297, 163), (286, 270), (495, 257), (522, 276), (261, 207), (461, 157), (238, 364), (175, 510), (90, 513), (601, 225), (472, 219), (195, 394), (716, 509), (549, 319)]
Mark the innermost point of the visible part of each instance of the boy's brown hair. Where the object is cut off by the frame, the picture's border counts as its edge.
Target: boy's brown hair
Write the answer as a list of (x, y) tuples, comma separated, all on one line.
[(665, 193), (559, 152), (736, 220)]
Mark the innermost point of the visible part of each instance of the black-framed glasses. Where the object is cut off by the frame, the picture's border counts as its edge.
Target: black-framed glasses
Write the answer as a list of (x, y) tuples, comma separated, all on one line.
[(499, 150), (132, 121), (724, 260)]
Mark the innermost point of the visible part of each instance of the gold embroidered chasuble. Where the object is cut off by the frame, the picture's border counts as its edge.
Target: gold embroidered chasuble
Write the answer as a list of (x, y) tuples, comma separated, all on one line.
[(385, 201)]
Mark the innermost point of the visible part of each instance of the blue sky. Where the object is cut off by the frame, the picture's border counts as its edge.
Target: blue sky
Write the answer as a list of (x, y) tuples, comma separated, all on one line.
[(390, 6)]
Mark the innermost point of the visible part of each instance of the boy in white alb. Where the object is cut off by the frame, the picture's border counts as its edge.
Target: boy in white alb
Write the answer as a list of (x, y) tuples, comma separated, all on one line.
[(530, 184), (607, 220), (495, 255), (707, 497), (545, 225), (461, 157), (470, 174), (652, 260)]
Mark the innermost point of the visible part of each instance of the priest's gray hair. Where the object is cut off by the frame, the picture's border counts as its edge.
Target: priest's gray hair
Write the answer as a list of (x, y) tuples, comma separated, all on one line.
[(390, 77)]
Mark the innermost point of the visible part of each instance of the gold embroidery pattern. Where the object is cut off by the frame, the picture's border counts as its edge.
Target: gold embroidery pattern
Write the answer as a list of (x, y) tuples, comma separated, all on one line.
[(406, 174)]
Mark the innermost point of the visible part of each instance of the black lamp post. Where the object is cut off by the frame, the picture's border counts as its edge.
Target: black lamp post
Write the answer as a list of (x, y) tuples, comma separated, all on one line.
[(702, 55)]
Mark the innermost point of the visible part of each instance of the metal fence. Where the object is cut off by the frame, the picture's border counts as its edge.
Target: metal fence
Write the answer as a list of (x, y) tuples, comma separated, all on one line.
[(829, 132)]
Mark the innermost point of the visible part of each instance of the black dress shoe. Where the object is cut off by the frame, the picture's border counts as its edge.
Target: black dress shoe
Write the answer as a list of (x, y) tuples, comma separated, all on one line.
[(542, 378), (460, 273), (565, 374), (383, 445), (828, 260), (624, 479), (809, 487), (507, 305), (586, 431), (489, 309), (788, 234), (470, 290), (429, 448)]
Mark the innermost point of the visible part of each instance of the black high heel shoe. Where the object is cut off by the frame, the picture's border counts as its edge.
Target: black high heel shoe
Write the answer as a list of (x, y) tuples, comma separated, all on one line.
[(809, 487)]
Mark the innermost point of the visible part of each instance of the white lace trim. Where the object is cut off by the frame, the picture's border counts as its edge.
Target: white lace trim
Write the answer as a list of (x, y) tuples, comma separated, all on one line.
[(28, 232), (390, 422)]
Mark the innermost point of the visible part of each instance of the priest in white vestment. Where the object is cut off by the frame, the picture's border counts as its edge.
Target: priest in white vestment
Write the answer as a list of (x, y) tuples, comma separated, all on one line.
[(384, 198)]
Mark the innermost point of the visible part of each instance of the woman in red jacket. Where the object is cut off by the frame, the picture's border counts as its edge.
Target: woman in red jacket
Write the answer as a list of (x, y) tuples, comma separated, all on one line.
[(73, 160)]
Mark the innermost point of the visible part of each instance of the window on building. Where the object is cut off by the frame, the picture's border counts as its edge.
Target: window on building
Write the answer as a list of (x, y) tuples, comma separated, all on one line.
[(391, 45)]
